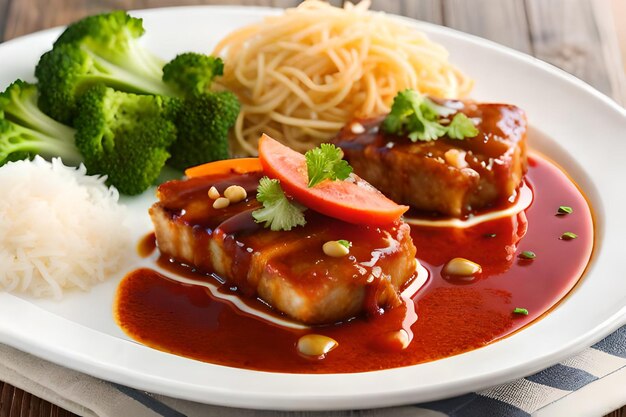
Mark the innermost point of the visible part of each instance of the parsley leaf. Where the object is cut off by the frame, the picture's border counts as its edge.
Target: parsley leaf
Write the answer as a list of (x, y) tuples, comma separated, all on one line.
[(440, 111), (278, 212), (324, 163), (431, 130), (416, 116), (461, 127), (412, 115)]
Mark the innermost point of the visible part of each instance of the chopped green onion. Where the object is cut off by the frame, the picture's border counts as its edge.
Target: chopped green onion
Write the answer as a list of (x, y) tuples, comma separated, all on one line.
[(564, 210), (345, 243), (519, 310), (568, 236), (527, 255)]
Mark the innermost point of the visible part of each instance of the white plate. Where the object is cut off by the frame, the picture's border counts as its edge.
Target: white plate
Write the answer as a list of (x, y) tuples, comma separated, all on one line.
[(583, 131)]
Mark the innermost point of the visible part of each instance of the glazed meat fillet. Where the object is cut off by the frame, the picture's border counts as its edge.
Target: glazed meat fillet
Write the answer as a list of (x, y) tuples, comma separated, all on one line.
[(446, 176), (286, 269)]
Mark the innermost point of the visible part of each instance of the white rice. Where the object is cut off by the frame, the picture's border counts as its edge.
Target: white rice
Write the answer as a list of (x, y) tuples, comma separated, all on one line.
[(59, 228)]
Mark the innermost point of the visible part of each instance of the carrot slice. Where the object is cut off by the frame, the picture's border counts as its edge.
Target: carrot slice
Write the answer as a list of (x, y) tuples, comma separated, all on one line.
[(351, 201), (235, 166)]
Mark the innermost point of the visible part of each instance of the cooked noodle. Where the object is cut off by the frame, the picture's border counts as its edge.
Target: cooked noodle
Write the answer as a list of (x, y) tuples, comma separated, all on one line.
[(304, 74)]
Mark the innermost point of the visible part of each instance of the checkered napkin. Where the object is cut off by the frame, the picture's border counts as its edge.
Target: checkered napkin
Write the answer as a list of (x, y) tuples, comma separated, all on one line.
[(591, 383)]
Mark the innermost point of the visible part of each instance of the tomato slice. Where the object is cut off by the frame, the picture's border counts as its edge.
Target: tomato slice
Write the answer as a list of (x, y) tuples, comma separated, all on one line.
[(351, 201), (227, 166)]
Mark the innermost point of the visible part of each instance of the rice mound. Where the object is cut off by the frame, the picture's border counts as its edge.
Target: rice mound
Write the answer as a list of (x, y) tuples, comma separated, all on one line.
[(59, 228)]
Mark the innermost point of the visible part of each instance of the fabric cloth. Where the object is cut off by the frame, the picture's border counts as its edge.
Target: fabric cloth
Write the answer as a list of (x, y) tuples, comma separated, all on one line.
[(591, 383)]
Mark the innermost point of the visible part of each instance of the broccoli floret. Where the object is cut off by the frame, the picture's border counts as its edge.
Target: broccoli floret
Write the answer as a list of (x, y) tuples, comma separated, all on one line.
[(204, 117), (203, 121), (114, 36), (133, 108), (105, 49), (125, 136), (25, 131), (192, 73)]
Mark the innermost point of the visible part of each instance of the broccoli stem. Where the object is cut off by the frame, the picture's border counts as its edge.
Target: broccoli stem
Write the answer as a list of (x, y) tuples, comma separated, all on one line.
[(27, 113), (121, 79), (150, 66), (51, 148), (23, 139)]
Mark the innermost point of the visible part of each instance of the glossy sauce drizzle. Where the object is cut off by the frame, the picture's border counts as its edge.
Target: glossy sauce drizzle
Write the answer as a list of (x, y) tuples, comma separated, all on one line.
[(447, 317)]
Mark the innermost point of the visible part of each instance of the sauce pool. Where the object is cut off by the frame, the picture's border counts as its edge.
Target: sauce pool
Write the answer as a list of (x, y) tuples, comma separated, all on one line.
[(446, 317)]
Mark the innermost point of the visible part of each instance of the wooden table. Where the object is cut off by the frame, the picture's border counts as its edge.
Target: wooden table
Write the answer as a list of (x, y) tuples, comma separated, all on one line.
[(575, 35)]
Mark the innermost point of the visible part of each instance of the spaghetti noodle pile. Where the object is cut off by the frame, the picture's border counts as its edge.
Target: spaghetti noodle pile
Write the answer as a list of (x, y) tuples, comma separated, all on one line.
[(302, 75)]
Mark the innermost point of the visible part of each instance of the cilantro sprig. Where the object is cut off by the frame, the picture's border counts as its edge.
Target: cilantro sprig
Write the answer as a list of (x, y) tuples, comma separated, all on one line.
[(419, 118), (324, 162), (461, 127), (278, 212)]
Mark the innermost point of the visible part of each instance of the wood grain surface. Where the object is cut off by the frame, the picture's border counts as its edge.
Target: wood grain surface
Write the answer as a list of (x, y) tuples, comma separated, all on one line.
[(506, 24), (565, 33), (15, 402), (570, 34)]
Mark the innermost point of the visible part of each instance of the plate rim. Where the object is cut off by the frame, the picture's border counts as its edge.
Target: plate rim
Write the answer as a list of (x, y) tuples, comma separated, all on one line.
[(220, 396)]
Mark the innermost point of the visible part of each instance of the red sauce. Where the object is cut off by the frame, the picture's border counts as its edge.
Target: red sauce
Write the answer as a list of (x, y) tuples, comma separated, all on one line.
[(147, 245), (446, 317)]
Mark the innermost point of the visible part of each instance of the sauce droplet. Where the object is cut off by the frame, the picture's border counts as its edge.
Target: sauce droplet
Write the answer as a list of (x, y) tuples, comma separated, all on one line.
[(146, 245)]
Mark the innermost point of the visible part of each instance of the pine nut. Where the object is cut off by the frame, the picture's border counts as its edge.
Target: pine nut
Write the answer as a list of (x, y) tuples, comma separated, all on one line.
[(461, 267), (316, 345), (235, 193), (213, 193), (456, 158), (221, 203), (396, 340), (335, 249), (357, 128)]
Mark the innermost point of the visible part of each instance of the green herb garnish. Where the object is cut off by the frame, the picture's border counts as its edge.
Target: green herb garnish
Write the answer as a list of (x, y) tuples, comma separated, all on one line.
[(490, 235), (324, 162), (527, 255), (461, 127), (564, 210), (568, 236), (345, 243), (278, 212), (418, 117), (519, 310)]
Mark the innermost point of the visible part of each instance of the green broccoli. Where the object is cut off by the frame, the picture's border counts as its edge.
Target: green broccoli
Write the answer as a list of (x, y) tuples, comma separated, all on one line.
[(204, 117), (25, 131), (203, 122), (192, 73), (102, 53), (125, 136), (113, 36), (98, 49)]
